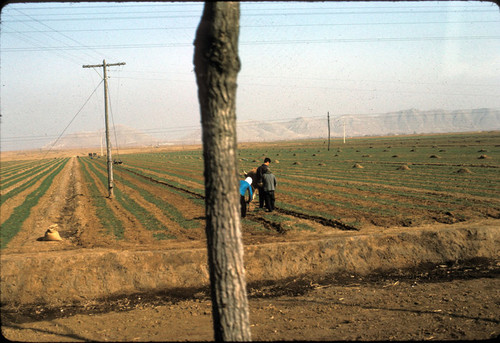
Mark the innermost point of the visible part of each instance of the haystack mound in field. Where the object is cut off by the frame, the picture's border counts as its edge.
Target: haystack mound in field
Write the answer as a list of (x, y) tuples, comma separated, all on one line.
[(435, 156), (321, 164), (366, 156), (358, 166), (51, 234), (484, 157), (395, 156), (276, 161), (404, 167), (297, 163), (464, 171), (482, 150)]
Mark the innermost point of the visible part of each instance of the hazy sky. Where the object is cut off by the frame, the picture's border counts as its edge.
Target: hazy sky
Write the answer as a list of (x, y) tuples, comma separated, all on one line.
[(299, 59)]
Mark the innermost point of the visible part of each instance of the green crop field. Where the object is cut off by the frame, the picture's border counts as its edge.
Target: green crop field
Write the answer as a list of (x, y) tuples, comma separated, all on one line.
[(365, 182), (381, 181)]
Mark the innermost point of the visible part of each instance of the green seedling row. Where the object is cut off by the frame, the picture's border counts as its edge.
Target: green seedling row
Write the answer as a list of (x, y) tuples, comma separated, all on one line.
[(143, 171), (147, 219), (13, 167), (167, 208), (105, 215), (31, 182), (409, 198), (20, 176), (14, 223)]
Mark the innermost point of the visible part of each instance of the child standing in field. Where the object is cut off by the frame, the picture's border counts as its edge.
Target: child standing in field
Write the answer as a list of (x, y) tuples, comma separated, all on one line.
[(269, 187), (245, 187)]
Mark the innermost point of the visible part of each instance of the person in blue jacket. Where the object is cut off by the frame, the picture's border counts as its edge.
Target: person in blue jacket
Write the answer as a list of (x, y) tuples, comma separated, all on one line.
[(245, 186)]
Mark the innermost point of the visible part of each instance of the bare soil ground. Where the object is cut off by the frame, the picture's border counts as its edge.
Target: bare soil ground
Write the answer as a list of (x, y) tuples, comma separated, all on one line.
[(456, 300), (446, 302)]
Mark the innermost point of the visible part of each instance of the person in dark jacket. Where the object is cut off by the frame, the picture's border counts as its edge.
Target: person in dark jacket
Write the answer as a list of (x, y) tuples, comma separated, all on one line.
[(269, 187), (245, 186), (260, 172)]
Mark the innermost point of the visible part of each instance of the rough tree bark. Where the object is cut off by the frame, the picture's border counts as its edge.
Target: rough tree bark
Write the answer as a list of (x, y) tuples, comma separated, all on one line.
[(217, 65)]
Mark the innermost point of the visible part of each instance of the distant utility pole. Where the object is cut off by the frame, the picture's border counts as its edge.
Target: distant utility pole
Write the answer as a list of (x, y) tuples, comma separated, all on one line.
[(344, 129), (108, 143), (328, 130)]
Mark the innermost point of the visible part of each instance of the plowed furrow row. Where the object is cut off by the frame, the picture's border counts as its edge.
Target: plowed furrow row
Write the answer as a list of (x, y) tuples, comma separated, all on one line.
[(269, 224)]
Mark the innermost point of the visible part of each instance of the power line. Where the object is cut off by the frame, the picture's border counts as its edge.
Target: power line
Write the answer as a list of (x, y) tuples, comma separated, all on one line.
[(350, 24), (62, 34), (276, 42), (199, 6), (77, 6), (74, 117), (24, 37), (259, 14)]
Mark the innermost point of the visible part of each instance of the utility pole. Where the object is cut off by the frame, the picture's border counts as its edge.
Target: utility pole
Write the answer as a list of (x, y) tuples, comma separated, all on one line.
[(101, 144), (344, 130), (108, 142), (328, 130)]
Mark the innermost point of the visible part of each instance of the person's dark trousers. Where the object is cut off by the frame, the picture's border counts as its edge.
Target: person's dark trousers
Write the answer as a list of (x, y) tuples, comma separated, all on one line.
[(262, 196), (269, 200), (243, 206)]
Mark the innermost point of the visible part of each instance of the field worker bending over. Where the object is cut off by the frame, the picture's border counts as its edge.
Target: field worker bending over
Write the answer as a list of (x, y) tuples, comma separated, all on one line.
[(245, 185)]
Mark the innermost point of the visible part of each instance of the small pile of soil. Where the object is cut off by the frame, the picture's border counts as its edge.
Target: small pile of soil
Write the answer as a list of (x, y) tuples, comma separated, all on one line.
[(359, 166), (484, 157), (366, 156), (321, 164), (297, 163), (404, 167), (435, 156), (464, 171)]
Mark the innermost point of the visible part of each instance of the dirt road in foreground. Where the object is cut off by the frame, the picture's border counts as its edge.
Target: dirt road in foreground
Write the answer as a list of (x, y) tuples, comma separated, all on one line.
[(459, 302)]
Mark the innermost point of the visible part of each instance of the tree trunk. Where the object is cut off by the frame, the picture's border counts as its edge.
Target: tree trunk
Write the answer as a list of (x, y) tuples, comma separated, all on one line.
[(216, 66)]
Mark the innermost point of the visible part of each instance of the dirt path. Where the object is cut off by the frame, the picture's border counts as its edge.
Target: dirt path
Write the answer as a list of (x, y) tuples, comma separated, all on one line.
[(458, 302)]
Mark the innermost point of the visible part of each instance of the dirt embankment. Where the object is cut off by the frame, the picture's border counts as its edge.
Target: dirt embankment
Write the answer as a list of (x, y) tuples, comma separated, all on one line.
[(78, 276), (87, 264)]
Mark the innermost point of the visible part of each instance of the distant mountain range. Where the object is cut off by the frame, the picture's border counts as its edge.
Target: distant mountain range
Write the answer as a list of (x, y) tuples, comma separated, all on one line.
[(410, 121)]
